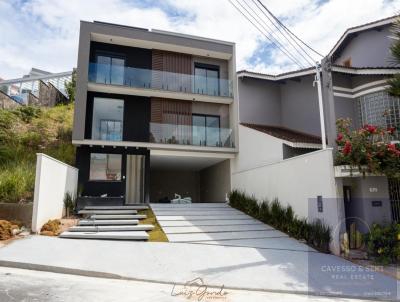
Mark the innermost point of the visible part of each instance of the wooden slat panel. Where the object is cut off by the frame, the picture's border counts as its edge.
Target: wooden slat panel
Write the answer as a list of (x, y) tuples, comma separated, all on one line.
[(178, 70), (171, 118)]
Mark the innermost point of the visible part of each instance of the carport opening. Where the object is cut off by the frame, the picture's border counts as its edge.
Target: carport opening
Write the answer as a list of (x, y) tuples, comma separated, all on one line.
[(201, 179)]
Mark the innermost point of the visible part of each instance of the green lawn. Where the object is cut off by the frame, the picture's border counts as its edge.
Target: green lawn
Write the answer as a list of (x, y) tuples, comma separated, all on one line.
[(157, 234)]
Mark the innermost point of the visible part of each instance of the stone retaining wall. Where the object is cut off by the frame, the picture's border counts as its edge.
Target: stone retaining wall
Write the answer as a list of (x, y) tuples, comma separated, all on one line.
[(15, 211)]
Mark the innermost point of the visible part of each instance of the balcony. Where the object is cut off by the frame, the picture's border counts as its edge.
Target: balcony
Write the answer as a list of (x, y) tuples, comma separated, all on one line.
[(159, 80), (191, 135)]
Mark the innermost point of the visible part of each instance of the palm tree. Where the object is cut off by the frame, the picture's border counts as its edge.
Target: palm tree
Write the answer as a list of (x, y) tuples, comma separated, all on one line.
[(394, 83)]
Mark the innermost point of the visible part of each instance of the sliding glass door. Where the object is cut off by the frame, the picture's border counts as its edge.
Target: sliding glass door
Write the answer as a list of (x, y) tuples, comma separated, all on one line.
[(110, 70), (206, 130)]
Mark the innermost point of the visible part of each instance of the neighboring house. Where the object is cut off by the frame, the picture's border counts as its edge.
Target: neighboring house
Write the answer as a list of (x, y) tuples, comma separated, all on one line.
[(155, 115), (39, 87), (279, 119), (7, 102)]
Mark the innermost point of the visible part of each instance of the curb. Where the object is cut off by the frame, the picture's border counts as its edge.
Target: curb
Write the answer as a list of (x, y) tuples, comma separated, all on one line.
[(96, 274)]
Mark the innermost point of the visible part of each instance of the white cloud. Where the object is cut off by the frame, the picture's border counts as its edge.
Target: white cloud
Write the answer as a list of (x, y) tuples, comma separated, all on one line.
[(44, 33)]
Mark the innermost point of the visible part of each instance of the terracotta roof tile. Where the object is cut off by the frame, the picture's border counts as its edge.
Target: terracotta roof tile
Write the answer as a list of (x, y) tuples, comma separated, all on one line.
[(285, 133)]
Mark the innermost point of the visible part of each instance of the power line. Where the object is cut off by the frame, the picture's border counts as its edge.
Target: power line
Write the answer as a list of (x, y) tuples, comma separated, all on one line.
[(288, 30), (311, 63), (283, 49), (284, 35)]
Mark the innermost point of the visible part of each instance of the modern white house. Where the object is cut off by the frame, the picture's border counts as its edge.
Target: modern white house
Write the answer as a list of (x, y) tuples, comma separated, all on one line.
[(280, 151), (155, 115), (160, 113)]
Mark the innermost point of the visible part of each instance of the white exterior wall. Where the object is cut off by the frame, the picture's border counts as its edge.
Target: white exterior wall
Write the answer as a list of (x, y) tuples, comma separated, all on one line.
[(53, 180), (294, 182), (256, 148)]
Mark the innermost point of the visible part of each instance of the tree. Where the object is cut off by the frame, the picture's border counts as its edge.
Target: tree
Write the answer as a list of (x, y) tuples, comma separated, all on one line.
[(394, 83), (70, 87)]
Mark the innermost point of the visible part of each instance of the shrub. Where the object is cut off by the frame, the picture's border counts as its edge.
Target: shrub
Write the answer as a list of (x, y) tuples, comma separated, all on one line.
[(17, 182), (69, 203), (383, 243), (51, 228), (6, 230), (316, 233), (27, 113), (371, 149), (23, 132)]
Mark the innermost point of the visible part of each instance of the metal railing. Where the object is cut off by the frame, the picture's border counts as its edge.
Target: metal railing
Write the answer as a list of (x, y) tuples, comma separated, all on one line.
[(159, 80), (191, 135)]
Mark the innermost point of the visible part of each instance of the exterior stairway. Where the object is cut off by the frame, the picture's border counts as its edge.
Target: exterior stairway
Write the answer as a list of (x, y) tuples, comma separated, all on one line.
[(110, 223)]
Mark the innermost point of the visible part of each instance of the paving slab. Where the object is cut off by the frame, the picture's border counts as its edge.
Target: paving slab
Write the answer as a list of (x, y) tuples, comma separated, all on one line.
[(109, 228), (177, 263), (117, 216), (189, 205), (281, 243), (107, 212), (196, 237), (108, 222), (229, 213), (215, 228), (201, 217), (134, 207), (206, 222), (136, 235)]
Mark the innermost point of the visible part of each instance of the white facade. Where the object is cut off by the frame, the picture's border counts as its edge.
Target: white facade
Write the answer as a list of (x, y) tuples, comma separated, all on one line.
[(53, 180)]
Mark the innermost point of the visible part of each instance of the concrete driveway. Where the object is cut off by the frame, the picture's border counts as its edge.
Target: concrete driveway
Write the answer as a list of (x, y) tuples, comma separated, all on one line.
[(220, 224), (27, 285), (214, 242)]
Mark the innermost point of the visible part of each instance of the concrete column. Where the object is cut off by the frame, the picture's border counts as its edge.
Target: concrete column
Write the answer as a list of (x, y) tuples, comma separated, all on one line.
[(329, 102)]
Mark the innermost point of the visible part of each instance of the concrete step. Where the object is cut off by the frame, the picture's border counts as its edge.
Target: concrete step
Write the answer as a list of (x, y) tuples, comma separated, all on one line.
[(116, 216), (111, 228), (133, 235), (108, 222), (132, 207), (107, 212)]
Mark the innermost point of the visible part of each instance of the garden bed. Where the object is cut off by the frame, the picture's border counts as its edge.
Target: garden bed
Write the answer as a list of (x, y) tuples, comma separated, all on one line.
[(315, 233), (157, 234)]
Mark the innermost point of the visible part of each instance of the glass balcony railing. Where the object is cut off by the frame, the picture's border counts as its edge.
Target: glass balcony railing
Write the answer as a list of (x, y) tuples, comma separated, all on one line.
[(191, 135), (160, 80)]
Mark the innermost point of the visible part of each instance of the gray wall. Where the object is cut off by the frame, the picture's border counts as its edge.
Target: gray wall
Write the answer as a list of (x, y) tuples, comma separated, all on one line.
[(300, 106), (259, 102), (368, 49), (362, 199), (365, 79), (215, 182), (347, 108), (167, 183)]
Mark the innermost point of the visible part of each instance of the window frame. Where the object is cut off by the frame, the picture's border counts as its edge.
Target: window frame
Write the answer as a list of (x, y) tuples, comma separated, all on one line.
[(109, 99), (105, 180), (208, 67), (205, 125), (111, 55)]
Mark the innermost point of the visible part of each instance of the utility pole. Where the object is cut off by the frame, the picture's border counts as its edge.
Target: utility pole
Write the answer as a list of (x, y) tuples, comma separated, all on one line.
[(320, 103)]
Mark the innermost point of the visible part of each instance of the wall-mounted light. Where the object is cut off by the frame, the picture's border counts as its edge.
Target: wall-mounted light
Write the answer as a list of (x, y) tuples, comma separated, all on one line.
[(320, 204)]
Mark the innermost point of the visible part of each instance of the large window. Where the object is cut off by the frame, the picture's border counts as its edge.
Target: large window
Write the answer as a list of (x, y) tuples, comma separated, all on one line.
[(105, 167), (206, 79), (206, 130), (380, 109), (107, 121), (110, 69)]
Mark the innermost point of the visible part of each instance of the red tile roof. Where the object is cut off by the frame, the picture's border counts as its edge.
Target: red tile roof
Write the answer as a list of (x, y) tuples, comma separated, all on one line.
[(285, 133)]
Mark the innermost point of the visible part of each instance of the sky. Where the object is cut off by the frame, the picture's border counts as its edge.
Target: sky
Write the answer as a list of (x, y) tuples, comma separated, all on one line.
[(44, 33)]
